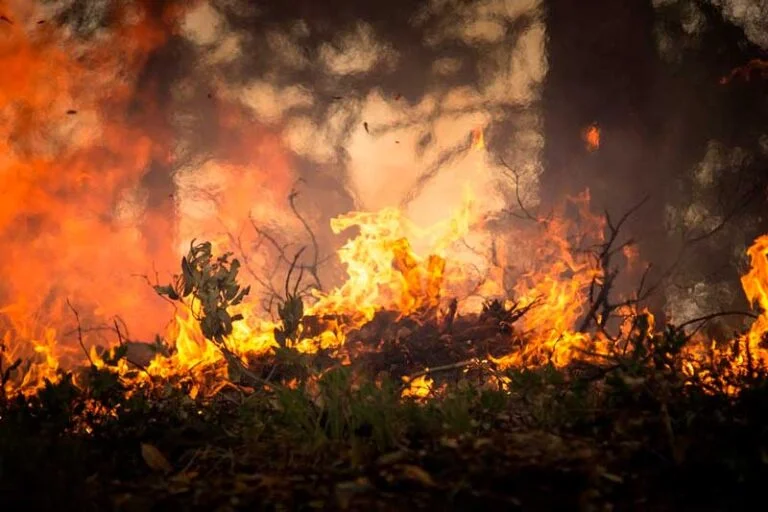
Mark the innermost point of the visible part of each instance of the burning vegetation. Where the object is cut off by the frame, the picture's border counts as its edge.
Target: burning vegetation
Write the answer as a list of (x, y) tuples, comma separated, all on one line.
[(451, 365)]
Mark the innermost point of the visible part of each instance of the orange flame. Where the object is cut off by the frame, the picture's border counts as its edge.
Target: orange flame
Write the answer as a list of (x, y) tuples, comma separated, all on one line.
[(71, 153), (419, 388), (591, 136), (478, 138), (384, 272), (755, 284), (745, 72)]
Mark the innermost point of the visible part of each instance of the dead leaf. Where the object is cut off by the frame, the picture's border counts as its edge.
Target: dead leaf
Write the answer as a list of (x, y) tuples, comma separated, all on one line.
[(6, 19), (246, 477), (155, 459), (181, 482), (449, 442), (417, 474), (480, 442), (613, 478), (365, 125), (185, 477), (270, 481)]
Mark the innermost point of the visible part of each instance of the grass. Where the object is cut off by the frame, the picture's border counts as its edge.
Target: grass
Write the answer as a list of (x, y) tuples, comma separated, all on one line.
[(346, 440)]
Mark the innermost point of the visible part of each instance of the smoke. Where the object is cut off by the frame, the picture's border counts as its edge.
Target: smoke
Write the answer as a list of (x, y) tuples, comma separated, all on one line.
[(76, 140), (750, 15), (719, 182), (321, 91), (131, 128), (372, 111)]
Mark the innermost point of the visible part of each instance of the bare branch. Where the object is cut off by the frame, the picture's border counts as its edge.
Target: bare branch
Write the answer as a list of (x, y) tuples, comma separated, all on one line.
[(80, 332), (314, 267), (711, 316), (516, 175)]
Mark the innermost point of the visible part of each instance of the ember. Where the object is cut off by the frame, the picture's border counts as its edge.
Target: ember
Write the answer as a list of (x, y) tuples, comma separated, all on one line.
[(591, 136)]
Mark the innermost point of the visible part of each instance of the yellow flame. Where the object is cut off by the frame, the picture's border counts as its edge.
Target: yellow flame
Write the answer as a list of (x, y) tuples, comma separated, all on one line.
[(386, 273), (478, 138), (418, 388), (755, 285)]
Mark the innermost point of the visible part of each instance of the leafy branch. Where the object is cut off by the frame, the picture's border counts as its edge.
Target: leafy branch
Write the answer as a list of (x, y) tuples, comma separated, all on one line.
[(211, 283), (291, 307)]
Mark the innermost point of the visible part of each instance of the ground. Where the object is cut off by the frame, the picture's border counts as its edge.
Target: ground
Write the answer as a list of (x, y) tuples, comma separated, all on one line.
[(629, 435)]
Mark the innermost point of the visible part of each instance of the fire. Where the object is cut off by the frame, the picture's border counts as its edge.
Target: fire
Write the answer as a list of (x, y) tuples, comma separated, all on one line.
[(384, 272), (80, 131), (745, 72), (478, 138), (74, 155), (591, 136), (70, 151), (746, 352), (557, 282), (418, 388), (755, 285)]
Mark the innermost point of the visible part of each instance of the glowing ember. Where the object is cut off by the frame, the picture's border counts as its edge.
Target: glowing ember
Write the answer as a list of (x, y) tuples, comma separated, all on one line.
[(591, 136), (745, 72), (418, 388)]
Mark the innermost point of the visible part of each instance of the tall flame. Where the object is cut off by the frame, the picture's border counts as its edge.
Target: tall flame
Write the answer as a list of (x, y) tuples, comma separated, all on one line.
[(755, 284), (72, 151)]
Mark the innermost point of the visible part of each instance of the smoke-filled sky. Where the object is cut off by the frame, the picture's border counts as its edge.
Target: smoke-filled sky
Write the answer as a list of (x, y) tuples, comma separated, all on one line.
[(380, 113)]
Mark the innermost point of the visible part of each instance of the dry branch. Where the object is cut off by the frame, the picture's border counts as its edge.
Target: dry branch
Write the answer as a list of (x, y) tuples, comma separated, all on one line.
[(80, 333)]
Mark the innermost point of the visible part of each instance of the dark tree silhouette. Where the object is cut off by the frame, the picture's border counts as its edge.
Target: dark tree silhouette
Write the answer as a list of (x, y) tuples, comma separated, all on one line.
[(717, 120)]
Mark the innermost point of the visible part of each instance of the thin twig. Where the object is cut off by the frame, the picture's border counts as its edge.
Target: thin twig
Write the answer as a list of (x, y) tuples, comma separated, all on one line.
[(313, 269), (516, 175), (600, 303), (119, 335), (80, 332), (429, 371), (706, 318)]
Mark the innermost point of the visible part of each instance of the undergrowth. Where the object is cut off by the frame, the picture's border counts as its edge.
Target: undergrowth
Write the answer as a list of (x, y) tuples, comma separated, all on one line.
[(633, 431), (348, 440)]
